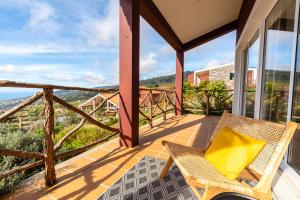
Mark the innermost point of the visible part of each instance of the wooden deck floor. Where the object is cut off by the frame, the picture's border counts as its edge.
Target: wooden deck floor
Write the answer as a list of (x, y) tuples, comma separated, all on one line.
[(88, 175)]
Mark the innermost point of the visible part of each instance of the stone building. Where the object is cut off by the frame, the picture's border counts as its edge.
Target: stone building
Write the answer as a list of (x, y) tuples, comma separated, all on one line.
[(221, 72)]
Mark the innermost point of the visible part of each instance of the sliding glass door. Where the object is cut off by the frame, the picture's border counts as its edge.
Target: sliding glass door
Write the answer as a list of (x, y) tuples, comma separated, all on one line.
[(250, 74), (279, 72), (279, 34), (278, 85), (294, 150)]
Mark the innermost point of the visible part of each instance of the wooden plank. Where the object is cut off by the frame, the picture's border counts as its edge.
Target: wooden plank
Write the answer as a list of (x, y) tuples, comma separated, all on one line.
[(50, 176), (22, 105), (22, 154), (6, 83), (245, 11), (80, 112), (153, 16)]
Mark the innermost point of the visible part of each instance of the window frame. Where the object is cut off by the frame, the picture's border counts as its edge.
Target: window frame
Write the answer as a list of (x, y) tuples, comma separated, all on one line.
[(256, 35)]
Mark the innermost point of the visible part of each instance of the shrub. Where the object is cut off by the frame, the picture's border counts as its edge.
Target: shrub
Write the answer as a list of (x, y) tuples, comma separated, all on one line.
[(15, 139), (195, 97), (86, 135)]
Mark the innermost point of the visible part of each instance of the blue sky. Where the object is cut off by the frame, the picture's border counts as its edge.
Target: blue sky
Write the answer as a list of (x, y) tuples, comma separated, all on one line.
[(76, 43)]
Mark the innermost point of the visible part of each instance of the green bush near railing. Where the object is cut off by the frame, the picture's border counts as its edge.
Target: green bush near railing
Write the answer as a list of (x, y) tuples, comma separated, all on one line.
[(86, 135), (209, 97), (16, 139)]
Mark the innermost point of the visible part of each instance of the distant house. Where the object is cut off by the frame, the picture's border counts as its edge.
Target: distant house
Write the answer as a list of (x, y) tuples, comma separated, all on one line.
[(221, 72), (112, 104)]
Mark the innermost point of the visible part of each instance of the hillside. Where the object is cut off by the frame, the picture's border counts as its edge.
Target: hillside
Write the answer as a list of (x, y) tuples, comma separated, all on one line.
[(161, 80)]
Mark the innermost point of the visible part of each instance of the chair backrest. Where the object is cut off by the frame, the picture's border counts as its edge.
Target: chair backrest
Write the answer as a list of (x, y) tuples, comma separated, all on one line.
[(277, 137)]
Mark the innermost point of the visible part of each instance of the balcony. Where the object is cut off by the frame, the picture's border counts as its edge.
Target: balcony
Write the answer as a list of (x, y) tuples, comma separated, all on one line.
[(89, 174)]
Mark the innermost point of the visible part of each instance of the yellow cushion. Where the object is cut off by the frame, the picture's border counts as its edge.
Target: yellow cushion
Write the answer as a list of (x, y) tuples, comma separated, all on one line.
[(231, 152)]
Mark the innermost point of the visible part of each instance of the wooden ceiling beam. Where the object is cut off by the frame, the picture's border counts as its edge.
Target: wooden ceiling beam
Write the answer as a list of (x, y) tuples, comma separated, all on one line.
[(245, 11), (211, 35), (150, 12)]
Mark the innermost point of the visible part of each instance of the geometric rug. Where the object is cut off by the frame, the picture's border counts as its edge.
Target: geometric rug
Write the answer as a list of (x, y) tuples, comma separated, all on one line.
[(142, 182)]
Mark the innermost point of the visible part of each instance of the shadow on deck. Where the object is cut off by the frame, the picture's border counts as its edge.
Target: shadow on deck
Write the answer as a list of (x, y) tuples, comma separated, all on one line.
[(88, 175)]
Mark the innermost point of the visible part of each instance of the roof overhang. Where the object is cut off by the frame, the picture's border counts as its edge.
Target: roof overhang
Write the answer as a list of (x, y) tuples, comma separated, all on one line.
[(190, 23)]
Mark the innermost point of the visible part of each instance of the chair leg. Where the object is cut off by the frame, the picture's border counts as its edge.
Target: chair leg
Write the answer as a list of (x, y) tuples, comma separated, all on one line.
[(198, 195), (166, 167)]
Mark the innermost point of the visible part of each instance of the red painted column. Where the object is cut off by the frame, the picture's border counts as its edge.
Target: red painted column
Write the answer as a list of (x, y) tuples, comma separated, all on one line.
[(129, 72), (179, 81)]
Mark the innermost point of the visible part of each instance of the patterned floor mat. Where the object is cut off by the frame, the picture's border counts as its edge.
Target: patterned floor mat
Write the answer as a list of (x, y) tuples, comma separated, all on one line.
[(142, 182)]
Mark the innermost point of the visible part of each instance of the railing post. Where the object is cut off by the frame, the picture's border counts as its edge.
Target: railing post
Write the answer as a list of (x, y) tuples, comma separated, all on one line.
[(151, 105), (179, 83), (165, 105), (207, 103), (94, 107), (49, 144)]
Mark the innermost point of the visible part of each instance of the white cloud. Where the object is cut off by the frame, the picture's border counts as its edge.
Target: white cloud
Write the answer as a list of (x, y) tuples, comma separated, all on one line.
[(212, 63), (29, 49), (8, 68), (148, 64), (42, 17), (61, 77), (102, 31), (33, 68), (93, 78)]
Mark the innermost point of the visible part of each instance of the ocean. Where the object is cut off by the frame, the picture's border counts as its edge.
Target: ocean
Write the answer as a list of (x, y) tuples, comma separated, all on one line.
[(14, 95)]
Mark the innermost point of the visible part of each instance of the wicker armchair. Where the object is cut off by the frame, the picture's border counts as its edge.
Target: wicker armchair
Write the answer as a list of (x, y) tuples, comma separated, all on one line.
[(199, 173)]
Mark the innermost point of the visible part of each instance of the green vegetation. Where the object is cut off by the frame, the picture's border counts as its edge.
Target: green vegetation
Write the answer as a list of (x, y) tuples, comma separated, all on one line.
[(15, 139), (86, 135), (195, 97)]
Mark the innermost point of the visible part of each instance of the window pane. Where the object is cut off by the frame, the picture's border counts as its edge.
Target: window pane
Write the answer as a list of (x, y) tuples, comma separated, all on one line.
[(294, 151), (278, 58), (251, 65)]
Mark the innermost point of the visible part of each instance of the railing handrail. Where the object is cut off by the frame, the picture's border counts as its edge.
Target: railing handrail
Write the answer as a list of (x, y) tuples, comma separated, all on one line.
[(6, 83), (157, 89)]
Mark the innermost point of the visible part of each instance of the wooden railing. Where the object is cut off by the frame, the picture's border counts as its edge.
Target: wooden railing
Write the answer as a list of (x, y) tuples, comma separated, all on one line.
[(211, 98), (156, 102), (51, 154)]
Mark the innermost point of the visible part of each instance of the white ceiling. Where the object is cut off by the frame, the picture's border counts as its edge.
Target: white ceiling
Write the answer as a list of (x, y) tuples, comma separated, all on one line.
[(192, 18)]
